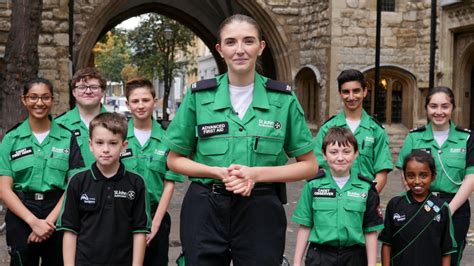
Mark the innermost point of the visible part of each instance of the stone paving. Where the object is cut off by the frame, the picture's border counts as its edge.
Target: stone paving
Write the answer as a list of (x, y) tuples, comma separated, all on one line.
[(393, 188)]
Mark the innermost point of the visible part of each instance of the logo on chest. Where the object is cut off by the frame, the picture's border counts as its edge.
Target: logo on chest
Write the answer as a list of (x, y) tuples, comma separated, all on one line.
[(207, 130), (21, 153), (124, 194), (356, 194), (269, 124), (399, 217), (324, 192), (87, 199)]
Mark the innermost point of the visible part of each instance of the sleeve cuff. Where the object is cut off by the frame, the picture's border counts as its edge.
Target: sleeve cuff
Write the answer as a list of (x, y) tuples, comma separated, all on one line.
[(302, 221)]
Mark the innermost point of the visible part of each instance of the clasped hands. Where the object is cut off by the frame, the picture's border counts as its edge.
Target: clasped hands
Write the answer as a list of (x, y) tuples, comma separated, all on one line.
[(239, 179)]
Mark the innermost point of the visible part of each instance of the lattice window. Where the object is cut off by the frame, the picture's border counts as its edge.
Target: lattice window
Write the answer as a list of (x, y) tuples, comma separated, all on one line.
[(388, 5)]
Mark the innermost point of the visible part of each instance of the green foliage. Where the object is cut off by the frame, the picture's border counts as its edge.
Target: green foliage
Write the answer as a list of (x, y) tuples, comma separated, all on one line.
[(150, 49)]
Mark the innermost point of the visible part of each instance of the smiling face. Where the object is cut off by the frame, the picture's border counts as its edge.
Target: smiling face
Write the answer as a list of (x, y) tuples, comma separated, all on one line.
[(340, 158), (240, 46), (38, 101), (88, 93), (141, 103), (418, 176), (439, 111), (352, 94)]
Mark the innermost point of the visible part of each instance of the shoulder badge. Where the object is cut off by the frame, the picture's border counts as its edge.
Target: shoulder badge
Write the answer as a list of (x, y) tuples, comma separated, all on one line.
[(14, 127), (278, 86), (463, 129), (320, 174), (377, 122), (418, 129), (329, 119), (366, 179), (204, 84), (64, 127)]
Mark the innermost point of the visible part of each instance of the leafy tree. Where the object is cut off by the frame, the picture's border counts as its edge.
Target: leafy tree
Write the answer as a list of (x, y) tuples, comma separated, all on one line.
[(154, 55)]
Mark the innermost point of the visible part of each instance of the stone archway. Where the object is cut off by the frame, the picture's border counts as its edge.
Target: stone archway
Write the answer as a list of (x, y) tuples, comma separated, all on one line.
[(308, 89), (463, 80), (202, 17)]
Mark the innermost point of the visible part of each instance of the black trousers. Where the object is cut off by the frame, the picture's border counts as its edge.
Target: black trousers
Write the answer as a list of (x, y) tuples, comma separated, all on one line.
[(156, 254), (218, 227), (319, 255), (21, 253), (461, 220)]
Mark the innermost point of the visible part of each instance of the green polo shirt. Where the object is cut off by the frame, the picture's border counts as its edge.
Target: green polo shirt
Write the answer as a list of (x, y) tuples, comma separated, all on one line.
[(338, 217), (149, 161), (372, 140), (38, 167), (450, 158), (207, 126), (72, 121)]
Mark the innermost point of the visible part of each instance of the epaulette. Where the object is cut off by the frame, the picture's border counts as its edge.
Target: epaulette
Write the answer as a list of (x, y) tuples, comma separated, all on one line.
[(64, 127), (204, 84), (366, 179), (320, 174), (462, 129), (60, 115), (278, 86), (377, 122), (418, 129), (14, 127), (329, 119)]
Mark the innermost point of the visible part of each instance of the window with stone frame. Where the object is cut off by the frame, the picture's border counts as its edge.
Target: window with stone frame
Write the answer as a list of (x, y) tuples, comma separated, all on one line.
[(388, 5), (307, 91)]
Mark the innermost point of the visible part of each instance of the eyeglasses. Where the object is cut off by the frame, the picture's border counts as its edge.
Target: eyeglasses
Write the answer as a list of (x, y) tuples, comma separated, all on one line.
[(35, 98), (83, 88)]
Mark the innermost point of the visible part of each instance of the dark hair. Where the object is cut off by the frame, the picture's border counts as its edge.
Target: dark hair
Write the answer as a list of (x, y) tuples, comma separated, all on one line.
[(421, 157), (114, 122), (86, 74), (29, 84), (440, 89), (139, 83), (351, 75), (340, 135), (238, 18)]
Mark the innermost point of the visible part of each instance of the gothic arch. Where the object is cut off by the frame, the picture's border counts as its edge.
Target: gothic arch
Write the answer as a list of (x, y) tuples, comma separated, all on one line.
[(463, 80), (308, 89)]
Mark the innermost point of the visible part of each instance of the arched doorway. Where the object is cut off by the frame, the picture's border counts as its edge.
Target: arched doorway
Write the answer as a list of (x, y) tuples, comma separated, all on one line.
[(397, 95), (307, 90), (202, 17), (463, 78)]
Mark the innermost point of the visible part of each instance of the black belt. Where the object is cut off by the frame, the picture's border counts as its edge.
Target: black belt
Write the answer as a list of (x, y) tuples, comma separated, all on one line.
[(258, 190), (335, 249), (53, 194)]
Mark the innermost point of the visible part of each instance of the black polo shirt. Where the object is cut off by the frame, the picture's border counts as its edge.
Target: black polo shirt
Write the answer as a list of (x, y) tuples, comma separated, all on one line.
[(104, 213), (434, 242)]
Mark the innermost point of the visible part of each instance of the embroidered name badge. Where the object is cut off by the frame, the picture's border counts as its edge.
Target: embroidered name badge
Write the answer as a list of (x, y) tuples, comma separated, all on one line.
[(207, 130), (76, 132), (324, 192), (427, 150), (21, 153), (87, 199), (127, 153), (399, 217), (130, 195)]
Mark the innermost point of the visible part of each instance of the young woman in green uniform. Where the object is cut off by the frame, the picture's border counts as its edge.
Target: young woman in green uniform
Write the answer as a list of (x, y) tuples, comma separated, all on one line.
[(239, 127), (36, 159), (447, 144)]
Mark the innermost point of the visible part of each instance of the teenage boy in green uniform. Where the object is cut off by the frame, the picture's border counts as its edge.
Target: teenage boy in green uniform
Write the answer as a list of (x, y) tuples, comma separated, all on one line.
[(88, 87), (338, 210), (105, 214), (374, 160), (146, 155)]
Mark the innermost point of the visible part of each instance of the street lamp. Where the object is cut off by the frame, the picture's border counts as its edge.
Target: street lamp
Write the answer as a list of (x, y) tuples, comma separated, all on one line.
[(168, 35)]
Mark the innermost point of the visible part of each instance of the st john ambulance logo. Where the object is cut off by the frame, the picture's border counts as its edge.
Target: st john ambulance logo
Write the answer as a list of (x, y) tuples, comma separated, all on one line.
[(277, 125)]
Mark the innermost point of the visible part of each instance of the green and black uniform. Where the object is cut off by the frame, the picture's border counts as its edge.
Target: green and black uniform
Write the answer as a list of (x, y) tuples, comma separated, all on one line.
[(40, 174), (149, 161), (450, 160), (339, 218), (419, 233), (216, 225), (72, 121), (372, 140)]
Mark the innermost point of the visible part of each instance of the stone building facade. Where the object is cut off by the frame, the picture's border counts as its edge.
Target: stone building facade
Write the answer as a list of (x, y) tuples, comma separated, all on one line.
[(309, 42)]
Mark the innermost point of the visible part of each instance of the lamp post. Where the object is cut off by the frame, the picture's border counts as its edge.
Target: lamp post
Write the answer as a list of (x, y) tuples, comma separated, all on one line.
[(168, 34)]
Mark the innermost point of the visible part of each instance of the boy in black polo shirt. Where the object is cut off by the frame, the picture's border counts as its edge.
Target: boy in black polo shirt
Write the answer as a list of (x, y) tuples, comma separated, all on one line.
[(105, 215)]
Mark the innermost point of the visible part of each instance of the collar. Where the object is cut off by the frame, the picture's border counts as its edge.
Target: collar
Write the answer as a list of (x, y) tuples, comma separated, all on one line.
[(54, 131), (364, 119), (452, 136), (76, 116), (352, 182), (411, 200), (222, 97), (156, 130), (97, 174)]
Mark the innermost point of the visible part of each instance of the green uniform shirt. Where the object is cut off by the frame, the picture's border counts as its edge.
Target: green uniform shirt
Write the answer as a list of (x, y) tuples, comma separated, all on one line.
[(38, 167), (372, 140), (207, 126), (450, 158), (149, 161), (338, 217), (72, 121)]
